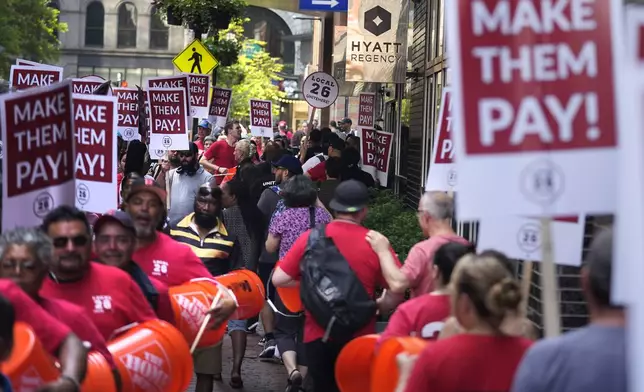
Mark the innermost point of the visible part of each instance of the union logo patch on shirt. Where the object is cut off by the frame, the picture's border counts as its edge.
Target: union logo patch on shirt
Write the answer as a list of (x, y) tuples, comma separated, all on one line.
[(160, 268), (102, 303)]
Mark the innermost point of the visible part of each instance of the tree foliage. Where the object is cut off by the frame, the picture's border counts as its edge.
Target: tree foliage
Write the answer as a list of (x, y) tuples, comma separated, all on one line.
[(250, 77), (28, 30)]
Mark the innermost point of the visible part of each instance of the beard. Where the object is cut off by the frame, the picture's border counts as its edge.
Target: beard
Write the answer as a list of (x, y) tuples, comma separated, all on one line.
[(205, 221)]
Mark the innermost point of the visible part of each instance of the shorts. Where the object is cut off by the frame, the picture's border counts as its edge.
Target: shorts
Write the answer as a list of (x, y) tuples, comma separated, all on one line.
[(207, 360), (264, 270), (236, 325)]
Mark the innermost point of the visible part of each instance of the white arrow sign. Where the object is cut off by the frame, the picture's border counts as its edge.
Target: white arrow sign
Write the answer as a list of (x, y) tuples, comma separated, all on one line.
[(330, 3)]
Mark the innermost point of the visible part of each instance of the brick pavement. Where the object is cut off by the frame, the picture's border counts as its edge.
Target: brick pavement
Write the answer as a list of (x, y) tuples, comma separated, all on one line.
[(258, 376)]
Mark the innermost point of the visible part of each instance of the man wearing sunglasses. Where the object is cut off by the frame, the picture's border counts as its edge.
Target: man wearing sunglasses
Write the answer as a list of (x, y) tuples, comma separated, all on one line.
[(183, 182), (109, 296), (159, 256)]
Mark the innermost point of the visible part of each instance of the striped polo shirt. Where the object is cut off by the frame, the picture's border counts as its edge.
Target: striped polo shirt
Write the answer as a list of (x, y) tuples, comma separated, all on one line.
[(216, 249)]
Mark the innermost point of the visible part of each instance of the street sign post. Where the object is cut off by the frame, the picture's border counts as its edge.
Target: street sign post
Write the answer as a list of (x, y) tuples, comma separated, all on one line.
[(325, 5), (195, 58)]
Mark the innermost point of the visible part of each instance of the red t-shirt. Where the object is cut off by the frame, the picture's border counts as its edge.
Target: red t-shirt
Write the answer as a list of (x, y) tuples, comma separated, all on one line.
[(467, 362), (169, 261), (164, 306), (422, 317), (109, 296), (199, 144), (351, 242), (80, 323), (49, 331), (221, 154)]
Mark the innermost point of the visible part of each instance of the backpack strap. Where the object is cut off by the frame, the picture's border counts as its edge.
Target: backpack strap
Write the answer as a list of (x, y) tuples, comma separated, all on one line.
[(312, 217)]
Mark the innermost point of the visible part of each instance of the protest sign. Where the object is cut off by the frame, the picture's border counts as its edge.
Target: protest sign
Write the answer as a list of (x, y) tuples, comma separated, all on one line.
[(320, 90), (38, 166), (128, 113), (367, 110), (521, 238), (535, 95), (630, 207), (261, 118), (168, 119), (23, 77), (442, 171), (220, 106), (376, 153), (199, 85), (177, 81), (86, 84), (29, 63), (95, 120)]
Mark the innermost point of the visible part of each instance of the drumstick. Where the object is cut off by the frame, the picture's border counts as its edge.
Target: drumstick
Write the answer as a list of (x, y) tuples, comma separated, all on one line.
[(205, 322)]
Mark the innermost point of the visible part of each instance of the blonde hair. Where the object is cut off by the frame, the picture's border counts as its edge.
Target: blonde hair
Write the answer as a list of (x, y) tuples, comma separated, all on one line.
[(490, 286)]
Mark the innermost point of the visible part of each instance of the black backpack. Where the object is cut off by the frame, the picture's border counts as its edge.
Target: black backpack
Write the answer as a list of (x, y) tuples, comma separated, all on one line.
[(331, 291)]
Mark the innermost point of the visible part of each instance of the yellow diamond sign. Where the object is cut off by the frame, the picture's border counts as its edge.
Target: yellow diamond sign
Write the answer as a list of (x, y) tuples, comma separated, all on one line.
[(195, 58)]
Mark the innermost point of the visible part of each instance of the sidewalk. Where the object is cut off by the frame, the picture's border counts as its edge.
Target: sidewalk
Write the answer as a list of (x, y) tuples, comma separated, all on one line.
[(258, 376)]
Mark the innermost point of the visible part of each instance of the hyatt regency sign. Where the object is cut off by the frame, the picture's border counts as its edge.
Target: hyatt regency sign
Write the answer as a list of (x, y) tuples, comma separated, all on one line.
[(377, 41)]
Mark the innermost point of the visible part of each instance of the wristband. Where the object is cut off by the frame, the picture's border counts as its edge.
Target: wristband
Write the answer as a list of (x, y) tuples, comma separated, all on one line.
[(77, 386)]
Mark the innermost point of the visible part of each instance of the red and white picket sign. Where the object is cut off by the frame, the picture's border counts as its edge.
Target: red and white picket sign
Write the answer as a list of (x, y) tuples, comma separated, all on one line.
[(536, 93), (520, 238), (177, 81), (220, 106), (261, 118), (38, 165), (29, 63), (367, 110), (23, 77), (168, 119), (442, 170), (86, 84), (199, 85), (128, 113), (376, 153), (95, 119)]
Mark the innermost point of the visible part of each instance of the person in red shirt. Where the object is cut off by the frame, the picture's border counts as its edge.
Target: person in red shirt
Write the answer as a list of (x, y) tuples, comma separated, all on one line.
[(350, 206), (114, 243), (56, 338), (315, 167), (158, 255), (482, 358), (110, 297), (221, 155), (425, 316), (203, 130)]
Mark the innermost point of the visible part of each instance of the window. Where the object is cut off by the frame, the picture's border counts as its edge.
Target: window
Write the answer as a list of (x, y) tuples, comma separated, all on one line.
[(126, 26), (94, 24), (158, 31)]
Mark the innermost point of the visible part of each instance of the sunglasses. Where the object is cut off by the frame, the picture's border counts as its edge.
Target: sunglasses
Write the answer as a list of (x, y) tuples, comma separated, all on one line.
[(205, 192), (61, 242)]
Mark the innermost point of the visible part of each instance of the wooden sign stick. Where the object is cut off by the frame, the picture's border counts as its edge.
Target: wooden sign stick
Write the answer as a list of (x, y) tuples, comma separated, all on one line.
[(205, 322), (526, 281), (549, 289)]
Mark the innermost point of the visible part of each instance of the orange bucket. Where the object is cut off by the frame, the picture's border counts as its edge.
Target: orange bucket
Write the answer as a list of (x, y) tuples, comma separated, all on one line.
[(152, 357), (29, 366), (99, 374), (385, 374), (249, 290), (191, 302), (353, 366), (290, 296)]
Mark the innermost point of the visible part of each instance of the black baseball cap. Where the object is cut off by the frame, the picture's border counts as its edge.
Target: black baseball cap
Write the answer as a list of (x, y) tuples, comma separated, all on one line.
[(289, 163), (345, 120), (118, 216), (350, 196)]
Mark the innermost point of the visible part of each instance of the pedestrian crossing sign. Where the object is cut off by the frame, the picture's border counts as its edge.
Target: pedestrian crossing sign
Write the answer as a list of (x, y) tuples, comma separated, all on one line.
[(195, 58)]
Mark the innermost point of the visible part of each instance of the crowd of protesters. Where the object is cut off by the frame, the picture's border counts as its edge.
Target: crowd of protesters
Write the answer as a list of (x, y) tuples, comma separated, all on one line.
[(232, 201)]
